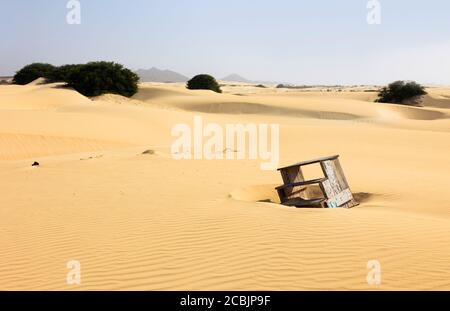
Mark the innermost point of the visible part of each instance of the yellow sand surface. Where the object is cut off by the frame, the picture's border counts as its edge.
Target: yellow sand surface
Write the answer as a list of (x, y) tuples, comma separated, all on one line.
[(148, 222)]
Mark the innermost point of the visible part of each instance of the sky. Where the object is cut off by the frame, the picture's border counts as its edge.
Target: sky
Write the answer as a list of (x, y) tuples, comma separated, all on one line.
[(294, 41)]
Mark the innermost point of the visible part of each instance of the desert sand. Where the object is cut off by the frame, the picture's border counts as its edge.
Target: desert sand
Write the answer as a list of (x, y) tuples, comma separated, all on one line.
[(148, 222)]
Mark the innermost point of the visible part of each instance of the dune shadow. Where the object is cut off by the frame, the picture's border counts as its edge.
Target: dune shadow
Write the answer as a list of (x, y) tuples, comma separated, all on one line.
[(268, 194), (253, 108), (411, 112), (363, 197)]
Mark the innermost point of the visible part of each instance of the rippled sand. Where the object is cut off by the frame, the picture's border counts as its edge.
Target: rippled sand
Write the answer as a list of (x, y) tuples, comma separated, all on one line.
[(148, 222)]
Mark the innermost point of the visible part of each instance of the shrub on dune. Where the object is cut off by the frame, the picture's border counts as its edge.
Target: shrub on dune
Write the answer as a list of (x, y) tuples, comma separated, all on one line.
[(32, 72), (62, 73), (400, 91), (204, 82), (97, 78)]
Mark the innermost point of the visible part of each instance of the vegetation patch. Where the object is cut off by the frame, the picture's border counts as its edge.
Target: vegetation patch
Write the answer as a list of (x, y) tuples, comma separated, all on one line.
[(204, 82), (401, 92)]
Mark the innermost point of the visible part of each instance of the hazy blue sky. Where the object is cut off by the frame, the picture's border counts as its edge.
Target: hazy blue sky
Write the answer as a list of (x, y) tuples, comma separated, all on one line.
[(315, 41)]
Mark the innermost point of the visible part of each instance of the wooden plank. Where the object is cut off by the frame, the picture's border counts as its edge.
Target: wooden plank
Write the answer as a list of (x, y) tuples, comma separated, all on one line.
[(292, 175), (282, 196), (340, 199), (303, 163), (302, 183), (344, 184), (337, 192)]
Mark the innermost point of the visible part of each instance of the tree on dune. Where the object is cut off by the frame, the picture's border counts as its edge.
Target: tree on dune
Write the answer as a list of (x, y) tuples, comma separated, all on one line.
[(97, 78), (31, 72), (204, 82), (400, 91)]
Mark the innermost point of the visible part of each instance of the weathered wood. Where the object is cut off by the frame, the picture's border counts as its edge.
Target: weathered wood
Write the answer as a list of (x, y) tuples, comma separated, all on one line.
[(291, 175), (314, 161), (334, 186), (302, 183), (352, 202)]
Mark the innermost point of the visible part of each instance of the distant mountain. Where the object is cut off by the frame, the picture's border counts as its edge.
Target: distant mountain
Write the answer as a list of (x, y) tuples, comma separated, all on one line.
[(157, 75), (240, 79), (5, 80), (236, 78)]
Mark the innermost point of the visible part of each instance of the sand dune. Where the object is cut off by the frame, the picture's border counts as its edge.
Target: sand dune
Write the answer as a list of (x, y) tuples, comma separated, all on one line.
[(151, 92), (19, 146), (145, 221), (314, 105), (438, 98), (39, 97), (412, 113)]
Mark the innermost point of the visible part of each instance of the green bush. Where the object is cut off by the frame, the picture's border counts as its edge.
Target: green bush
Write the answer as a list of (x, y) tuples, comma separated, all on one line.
[(399, 91), (97, 78), (204, 82), (32, 72), (62, 73)]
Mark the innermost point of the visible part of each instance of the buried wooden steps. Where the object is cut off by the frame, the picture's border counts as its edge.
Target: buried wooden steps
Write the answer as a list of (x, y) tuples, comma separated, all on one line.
[(334, 188)]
